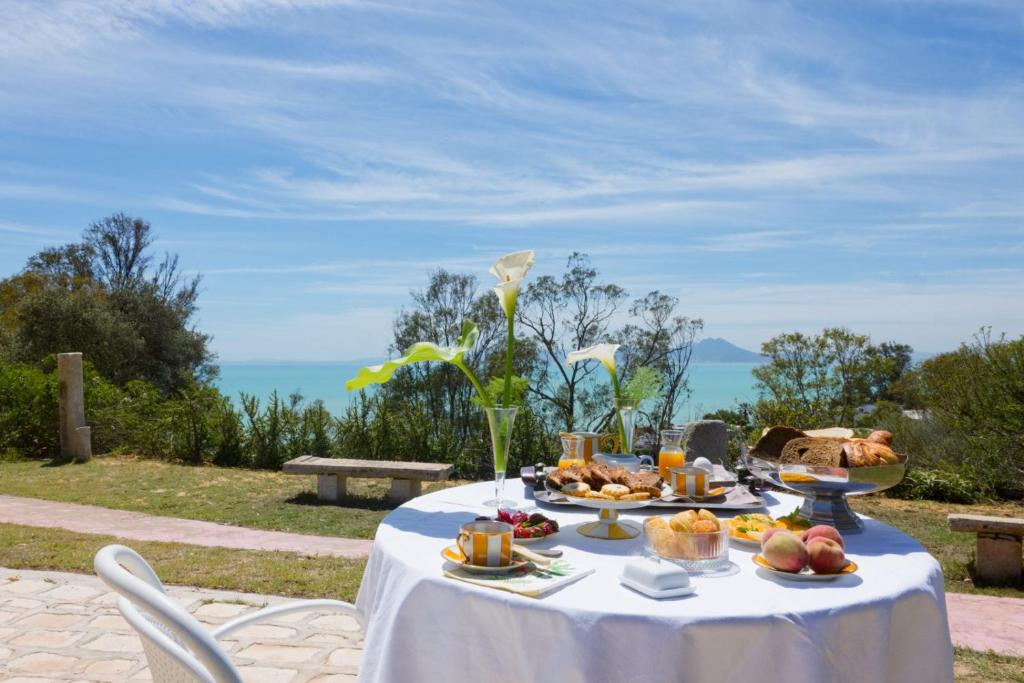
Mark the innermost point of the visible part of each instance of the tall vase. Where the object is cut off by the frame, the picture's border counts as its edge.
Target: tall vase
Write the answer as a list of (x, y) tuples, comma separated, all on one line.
[(626, 414), (500, 420)]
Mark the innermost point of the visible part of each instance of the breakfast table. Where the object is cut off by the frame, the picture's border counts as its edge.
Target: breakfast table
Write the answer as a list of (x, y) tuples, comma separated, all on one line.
[(886, 622)]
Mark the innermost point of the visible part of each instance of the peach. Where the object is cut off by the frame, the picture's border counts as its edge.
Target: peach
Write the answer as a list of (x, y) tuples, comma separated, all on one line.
[(825, 556), (823, 531), (786, 552), (771, 531)]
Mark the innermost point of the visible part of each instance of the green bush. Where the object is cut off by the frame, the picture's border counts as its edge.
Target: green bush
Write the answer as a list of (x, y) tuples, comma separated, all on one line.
[(939, 485), (28, 412)]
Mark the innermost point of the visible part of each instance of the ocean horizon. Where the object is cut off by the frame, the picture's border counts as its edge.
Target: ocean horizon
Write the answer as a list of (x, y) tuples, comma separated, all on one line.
[(714, 385)]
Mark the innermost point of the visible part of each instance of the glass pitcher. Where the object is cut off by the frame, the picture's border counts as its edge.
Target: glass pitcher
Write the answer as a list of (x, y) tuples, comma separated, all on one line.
[(671, 453)]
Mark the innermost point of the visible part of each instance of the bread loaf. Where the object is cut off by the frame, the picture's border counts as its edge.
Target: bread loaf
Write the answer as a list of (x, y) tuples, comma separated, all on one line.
[(773, 440), (826, 452)]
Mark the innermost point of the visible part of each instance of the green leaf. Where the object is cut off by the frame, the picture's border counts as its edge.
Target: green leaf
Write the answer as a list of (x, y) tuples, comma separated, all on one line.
[(645, 384), (417, 353), (495, 389)]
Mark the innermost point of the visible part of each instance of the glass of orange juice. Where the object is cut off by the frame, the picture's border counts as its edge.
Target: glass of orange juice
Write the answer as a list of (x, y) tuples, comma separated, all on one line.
[(671, 453), (572, 452)]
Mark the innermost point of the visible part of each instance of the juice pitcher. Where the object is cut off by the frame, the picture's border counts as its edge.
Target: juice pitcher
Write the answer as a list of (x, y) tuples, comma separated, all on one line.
[(671, 453)]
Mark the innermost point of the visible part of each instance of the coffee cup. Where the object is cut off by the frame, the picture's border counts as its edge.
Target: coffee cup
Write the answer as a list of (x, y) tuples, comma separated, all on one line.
[(690, 481), (486, 544)]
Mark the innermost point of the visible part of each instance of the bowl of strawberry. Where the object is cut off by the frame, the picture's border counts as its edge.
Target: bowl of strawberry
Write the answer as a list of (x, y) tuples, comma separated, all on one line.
[(527, 528)]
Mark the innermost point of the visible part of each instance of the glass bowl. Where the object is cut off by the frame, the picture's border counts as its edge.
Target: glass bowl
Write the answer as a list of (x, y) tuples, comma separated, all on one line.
[(694, 551)]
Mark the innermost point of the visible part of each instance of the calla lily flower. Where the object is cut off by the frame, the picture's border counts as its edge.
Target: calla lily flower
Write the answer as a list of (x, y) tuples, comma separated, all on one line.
[(601, 352), (418, 353), (510, 270)]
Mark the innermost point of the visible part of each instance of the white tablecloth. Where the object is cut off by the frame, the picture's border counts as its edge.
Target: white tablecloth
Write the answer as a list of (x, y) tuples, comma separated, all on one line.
[(886, 623)]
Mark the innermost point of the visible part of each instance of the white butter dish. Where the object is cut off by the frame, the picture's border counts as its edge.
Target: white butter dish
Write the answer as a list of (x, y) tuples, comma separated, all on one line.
[(654, 578)]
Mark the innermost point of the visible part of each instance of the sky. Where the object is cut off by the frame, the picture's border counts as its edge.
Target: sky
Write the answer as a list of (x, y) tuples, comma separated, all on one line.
[(777, 166)]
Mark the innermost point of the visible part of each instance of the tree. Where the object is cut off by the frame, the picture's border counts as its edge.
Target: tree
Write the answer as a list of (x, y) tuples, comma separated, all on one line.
[(663, 341), (104, 297), (565, 315), (820, 381), (978, 391)]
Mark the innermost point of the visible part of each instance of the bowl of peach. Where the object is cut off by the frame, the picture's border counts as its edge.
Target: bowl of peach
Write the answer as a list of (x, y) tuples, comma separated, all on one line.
[(694, 539)]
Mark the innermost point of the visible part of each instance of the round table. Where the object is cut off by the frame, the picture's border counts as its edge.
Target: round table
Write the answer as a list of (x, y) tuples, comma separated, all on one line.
[(885, 623)]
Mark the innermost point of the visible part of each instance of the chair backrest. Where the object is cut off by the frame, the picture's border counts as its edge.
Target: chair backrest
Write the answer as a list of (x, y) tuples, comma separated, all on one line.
[(178, 648)]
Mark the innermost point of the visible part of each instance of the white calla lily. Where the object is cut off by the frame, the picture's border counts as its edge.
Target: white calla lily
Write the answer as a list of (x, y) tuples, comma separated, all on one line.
[(601, 352), (510, 270), (513, 266)]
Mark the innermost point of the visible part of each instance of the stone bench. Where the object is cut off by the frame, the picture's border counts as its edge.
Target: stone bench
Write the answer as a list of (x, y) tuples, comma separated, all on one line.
[(998, 556), (332, 473)]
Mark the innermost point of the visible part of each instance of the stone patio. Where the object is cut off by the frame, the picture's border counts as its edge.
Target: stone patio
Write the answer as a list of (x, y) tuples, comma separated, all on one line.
[(57, 626)]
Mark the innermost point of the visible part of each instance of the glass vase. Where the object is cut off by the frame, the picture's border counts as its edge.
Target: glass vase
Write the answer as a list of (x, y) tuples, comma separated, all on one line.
[(626, 413), (500, 420)]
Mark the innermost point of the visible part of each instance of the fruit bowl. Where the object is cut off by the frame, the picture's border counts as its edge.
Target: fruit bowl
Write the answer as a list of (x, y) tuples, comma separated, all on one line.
[(825, 488), (696, 552)]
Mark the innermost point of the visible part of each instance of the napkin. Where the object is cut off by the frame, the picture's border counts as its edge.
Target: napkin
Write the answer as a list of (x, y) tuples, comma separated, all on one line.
[(531, 581)]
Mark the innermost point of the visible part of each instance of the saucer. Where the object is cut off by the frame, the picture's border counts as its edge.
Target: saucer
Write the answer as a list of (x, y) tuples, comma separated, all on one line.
[(454, 555)]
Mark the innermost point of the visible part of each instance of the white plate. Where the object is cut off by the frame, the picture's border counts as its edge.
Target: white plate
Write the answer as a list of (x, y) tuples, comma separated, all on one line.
[(452, 554), (657, 595), (806, 574)]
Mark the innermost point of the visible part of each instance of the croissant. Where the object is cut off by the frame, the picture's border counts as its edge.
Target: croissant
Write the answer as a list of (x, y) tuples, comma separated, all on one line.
[(883, 437), (868, 453)]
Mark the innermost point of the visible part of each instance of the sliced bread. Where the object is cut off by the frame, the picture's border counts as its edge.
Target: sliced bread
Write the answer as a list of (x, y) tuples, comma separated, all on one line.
[(808, 450)]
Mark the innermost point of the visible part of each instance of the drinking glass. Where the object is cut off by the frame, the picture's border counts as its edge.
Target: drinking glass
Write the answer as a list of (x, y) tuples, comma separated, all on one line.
[(671, 453), (500, 420), (626, 411), (572, 452)]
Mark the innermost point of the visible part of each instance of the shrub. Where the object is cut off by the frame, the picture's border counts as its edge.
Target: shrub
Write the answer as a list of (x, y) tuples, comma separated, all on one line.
[(939, 485)]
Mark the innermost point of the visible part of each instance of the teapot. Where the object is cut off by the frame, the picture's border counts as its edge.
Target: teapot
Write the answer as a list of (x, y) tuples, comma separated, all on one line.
[(631, 463)]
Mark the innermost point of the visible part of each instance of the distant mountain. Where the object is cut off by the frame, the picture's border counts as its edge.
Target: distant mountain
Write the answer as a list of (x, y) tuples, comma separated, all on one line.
[(718, 350)]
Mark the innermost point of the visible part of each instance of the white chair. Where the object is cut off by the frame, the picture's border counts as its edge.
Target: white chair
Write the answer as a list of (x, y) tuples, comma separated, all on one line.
[(178, 648)]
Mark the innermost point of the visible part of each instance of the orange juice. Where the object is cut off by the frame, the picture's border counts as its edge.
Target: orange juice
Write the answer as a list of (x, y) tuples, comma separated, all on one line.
[(669, 458), (569, 462)]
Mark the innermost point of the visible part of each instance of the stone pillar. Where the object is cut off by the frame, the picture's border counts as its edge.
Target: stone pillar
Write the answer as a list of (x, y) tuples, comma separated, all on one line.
[(75, 437), (706, 439)]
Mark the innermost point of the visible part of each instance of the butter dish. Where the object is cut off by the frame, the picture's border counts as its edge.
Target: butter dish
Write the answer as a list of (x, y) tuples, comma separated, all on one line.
[(655, 578)]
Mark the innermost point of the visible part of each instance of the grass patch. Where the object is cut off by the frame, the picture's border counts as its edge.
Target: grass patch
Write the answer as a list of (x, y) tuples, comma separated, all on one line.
[(250, 498), (986, 667), (926, 521), (249, 571)]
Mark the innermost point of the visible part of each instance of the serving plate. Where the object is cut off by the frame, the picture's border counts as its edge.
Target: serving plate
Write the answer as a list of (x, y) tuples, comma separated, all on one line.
[(806, 574), (825, 488)]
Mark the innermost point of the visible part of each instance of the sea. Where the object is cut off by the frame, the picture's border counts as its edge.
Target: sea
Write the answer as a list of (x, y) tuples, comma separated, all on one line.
[(713, 385)]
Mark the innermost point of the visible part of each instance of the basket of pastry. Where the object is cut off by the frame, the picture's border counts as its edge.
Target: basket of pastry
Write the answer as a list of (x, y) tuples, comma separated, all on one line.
[(826, 466), (695, 539)]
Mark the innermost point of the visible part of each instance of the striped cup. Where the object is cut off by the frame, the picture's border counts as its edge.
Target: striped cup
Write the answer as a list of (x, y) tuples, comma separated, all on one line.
[(690, 481), (486, 544)]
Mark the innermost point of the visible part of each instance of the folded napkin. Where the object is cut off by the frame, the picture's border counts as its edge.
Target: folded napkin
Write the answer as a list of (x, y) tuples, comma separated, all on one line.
[(531, 580)]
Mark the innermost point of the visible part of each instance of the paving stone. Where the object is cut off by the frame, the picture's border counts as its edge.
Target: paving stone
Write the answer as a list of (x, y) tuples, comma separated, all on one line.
[(345, 657), (110, 667), (23, 587), (8, 616), (79, 594), (266, 674), (333, 678), (340, 622), (222, 610), (261, 631), (110, 622), (43, 663), (29, 679), (22, 604), (275, 653), (111, 642), (46, 639), (49, 620)]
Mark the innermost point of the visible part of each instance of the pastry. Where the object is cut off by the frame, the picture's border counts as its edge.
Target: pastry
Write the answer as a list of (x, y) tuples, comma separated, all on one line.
[(615, 490), (883, 437), (598, 495), (636, 496), (577, 488)]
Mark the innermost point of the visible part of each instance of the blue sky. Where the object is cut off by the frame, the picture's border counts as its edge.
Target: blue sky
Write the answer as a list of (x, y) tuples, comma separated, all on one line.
[(778, 166)]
